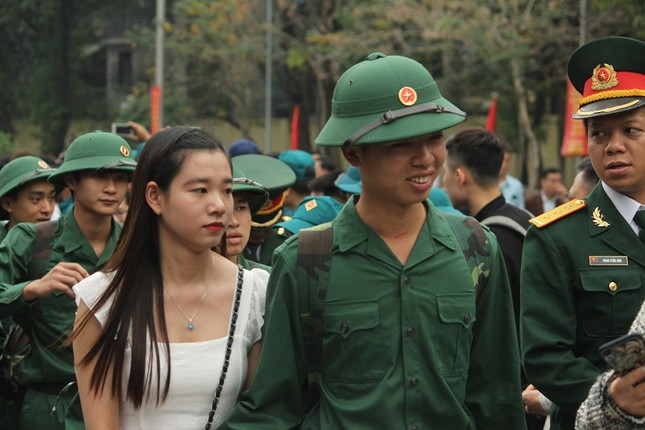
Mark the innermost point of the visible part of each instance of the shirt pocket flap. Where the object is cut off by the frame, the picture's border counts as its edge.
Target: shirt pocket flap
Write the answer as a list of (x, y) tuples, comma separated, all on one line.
[(610, 281), (346, 318), (457, 309)]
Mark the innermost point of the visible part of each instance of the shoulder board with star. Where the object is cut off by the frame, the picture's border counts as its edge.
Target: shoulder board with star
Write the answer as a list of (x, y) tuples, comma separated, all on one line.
[(558, 213)]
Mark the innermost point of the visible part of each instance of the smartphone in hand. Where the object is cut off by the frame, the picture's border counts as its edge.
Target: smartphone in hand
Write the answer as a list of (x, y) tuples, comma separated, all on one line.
[(122, 129), (625, 353)]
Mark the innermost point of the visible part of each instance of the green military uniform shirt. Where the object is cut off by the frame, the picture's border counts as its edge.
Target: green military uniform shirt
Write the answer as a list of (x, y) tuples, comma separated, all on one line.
[(47, 320), (3, 229), (583, 282), (250, 265), (404, 346)]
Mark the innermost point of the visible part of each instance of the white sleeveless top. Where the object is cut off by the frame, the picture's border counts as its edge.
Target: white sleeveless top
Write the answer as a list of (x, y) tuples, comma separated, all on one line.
[(196, 366)]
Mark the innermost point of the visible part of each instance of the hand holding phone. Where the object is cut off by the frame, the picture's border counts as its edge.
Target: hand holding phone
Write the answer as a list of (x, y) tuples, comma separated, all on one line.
[(625, 353), (122, 129)]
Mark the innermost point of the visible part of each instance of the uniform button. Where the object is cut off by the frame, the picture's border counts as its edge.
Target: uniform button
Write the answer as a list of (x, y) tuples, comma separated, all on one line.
[(409, 331), (344, 327), (406, 281), (414, 428), (613, 286), (414, 382), (466, 318)]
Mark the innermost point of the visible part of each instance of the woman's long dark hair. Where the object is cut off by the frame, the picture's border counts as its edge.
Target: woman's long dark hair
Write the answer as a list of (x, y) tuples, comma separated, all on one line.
[(137, 286)]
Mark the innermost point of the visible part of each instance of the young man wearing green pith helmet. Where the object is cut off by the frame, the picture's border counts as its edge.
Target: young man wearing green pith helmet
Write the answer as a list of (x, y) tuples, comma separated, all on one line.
[(25, 193), (248, 197), (406, 321), (25, 196), (36, 290), (584, 261)]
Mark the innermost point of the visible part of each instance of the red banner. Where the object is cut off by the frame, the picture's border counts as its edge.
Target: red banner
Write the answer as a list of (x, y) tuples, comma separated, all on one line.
[(492, 115), (155, 108), (574, 141), (295, 127)]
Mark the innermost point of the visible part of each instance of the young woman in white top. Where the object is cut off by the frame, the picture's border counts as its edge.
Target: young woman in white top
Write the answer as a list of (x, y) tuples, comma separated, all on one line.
[(168, 334)]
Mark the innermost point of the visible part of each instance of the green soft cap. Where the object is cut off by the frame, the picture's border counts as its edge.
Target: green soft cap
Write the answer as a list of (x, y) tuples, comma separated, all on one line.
[(385, 99), (22, 170), (95, 151)]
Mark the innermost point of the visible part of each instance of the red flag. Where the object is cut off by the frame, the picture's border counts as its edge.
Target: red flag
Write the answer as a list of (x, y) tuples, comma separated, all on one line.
[(492, 112), (574, 141), (295, 130)]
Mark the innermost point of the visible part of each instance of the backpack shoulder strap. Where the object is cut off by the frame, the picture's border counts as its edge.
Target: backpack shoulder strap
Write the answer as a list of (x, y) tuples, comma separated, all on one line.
[(42, 249), (505, 221), (314, 265), (476, 248)]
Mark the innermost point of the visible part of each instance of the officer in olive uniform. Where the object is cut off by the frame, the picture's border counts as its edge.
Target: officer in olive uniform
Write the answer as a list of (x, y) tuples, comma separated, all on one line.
[(276, 176), (583, 265), (248, 198), (36, 289), (416, 322), (25, 196)]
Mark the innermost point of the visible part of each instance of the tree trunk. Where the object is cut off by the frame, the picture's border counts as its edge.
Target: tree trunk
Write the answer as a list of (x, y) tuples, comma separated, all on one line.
[(526, 130)]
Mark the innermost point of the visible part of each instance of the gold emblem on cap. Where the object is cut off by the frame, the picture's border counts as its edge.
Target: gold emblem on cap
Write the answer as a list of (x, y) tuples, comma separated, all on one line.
[(598, 218), (407, 96), (43, 165), (125, 151), (603, 77), (311, 204)]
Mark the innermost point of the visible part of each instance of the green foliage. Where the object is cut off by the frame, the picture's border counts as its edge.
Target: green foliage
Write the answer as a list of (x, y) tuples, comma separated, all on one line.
[(6, 145)]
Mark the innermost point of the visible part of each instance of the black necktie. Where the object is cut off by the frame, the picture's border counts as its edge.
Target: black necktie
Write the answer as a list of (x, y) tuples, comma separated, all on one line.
[(639, 219)]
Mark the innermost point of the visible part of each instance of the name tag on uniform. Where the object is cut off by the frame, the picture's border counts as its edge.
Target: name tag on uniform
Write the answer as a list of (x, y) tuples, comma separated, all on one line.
[(608, 260)]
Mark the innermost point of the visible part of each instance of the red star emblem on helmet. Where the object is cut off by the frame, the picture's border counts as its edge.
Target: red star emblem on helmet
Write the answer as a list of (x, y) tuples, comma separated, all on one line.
[(407, 96)]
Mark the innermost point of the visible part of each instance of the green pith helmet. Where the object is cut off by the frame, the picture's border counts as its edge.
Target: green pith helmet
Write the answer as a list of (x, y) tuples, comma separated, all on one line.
[(275, 176), (609, 72), (95, 151), (256, 194), (22, 170), (385, 99)]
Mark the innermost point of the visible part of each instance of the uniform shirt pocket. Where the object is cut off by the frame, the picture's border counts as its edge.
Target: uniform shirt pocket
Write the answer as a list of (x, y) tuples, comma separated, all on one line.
[(610, 300), (454, 333), (353, 344)]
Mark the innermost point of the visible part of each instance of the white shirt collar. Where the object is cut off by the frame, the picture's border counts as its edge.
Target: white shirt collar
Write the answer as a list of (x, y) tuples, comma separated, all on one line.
[(626, 206)]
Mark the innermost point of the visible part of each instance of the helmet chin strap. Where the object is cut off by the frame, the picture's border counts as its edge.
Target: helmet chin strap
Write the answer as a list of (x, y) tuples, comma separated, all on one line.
[(390, 116)]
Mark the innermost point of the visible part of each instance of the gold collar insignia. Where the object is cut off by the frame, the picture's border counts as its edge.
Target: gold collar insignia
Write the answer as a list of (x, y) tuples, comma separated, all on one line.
[(598, 218)]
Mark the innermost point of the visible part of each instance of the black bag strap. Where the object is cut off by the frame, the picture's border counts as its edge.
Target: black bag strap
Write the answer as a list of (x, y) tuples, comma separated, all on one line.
[(42, 249), (314, 266)]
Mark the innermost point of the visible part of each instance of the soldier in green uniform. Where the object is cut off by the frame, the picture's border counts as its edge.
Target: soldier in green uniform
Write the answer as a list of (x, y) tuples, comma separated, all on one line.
[(276, 176), (25, 196), (416, 320), (583, 265), (25, 193), (312, 211), (248, 197), (38, 294)]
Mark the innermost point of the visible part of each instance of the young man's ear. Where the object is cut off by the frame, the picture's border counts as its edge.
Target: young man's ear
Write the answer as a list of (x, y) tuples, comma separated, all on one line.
[(352, 155), (71, 181), (5, 202), (462, 176)]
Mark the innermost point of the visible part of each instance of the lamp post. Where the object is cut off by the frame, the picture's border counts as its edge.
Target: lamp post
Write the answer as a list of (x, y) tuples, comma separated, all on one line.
[(268, 78), (156, 92)]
